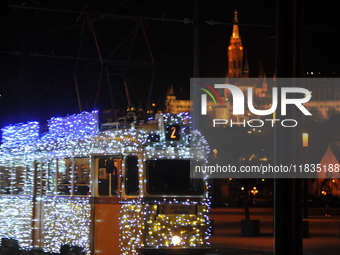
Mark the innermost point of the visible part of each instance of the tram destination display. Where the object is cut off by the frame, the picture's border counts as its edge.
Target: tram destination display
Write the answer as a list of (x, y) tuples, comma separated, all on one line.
[(177, 209)]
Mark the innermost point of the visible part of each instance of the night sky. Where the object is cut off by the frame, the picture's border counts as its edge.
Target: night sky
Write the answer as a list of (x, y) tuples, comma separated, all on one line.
[(39, 50)]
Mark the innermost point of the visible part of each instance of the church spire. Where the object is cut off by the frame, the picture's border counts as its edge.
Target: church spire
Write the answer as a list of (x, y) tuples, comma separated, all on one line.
[(260, 70), (171, 91), (246, 66), (235, 26), (235, 52)]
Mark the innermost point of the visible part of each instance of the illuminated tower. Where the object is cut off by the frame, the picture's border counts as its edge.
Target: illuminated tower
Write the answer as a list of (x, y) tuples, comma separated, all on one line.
[(235, 52), (246, 67)]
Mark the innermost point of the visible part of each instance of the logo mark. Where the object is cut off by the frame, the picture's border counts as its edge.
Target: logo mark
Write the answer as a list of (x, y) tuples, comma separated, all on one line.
[(238, 99), (211, 92)]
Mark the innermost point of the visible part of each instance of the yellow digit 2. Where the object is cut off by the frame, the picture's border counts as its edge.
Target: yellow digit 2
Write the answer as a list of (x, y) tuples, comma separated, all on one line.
[(173, 133)]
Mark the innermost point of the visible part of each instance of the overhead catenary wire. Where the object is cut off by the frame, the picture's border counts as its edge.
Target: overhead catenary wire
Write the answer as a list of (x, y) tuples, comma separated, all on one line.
[(109, 15), (131, 17)]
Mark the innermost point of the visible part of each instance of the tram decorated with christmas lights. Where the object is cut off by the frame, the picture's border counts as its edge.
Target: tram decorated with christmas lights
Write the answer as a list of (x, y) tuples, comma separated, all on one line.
[(121, 188)]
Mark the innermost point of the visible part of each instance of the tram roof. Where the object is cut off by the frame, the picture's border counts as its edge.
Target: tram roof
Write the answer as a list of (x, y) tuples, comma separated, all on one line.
[(79, 134)]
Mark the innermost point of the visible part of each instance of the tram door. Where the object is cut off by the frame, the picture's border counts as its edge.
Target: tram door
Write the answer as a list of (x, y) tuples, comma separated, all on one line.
[(106, 191), (41, 188)]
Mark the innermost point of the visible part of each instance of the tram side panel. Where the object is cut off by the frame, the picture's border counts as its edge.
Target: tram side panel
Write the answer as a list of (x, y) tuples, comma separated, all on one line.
[(106, 207), (62, 208), (175, 208), (16, 204), (16, 219), (66, 220), (106, 226), (132, 220)]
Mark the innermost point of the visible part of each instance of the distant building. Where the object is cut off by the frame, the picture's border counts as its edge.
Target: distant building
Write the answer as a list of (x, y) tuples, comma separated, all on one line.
[(325, 97), (327, 182), (330, 159), (325, 100), (176, 105), (235, 52), (238, 73)]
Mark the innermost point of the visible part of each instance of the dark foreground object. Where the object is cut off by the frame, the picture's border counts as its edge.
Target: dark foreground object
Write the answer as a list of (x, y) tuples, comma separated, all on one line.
[(11, 247)]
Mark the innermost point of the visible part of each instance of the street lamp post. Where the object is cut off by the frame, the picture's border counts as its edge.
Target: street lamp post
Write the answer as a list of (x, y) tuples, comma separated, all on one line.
[(305, 140)]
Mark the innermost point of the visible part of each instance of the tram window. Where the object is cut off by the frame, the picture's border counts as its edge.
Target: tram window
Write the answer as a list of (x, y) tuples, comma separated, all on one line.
[(131, 175), (172, 177), (18, 180), (5, 180), (14, 179), (41, 173), (73, 176), (108, 176), (51, 169), (82, 179), (64, 176), (29, 179)]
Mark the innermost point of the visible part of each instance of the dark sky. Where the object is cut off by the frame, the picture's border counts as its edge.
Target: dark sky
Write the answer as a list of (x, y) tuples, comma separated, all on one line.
[(39, 49)]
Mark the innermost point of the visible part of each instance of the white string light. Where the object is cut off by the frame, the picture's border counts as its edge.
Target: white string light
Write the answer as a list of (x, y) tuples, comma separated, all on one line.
[(68, 219)]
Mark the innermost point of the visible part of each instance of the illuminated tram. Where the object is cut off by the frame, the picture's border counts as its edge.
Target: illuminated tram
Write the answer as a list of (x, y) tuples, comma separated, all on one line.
[(123, 190)]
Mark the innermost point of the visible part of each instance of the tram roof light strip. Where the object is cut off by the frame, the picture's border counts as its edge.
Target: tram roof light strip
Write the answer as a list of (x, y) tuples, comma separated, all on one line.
[(77, 124), (20, 133), (78, 135), (73, 125)]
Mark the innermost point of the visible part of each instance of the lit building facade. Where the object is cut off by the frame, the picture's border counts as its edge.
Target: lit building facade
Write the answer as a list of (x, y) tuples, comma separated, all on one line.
[(174, 105), (235, 52), (325, 95)]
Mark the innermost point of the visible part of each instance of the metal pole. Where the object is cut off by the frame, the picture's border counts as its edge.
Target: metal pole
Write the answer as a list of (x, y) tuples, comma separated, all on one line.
[(197, 40), (110, 185), (288, 192)]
